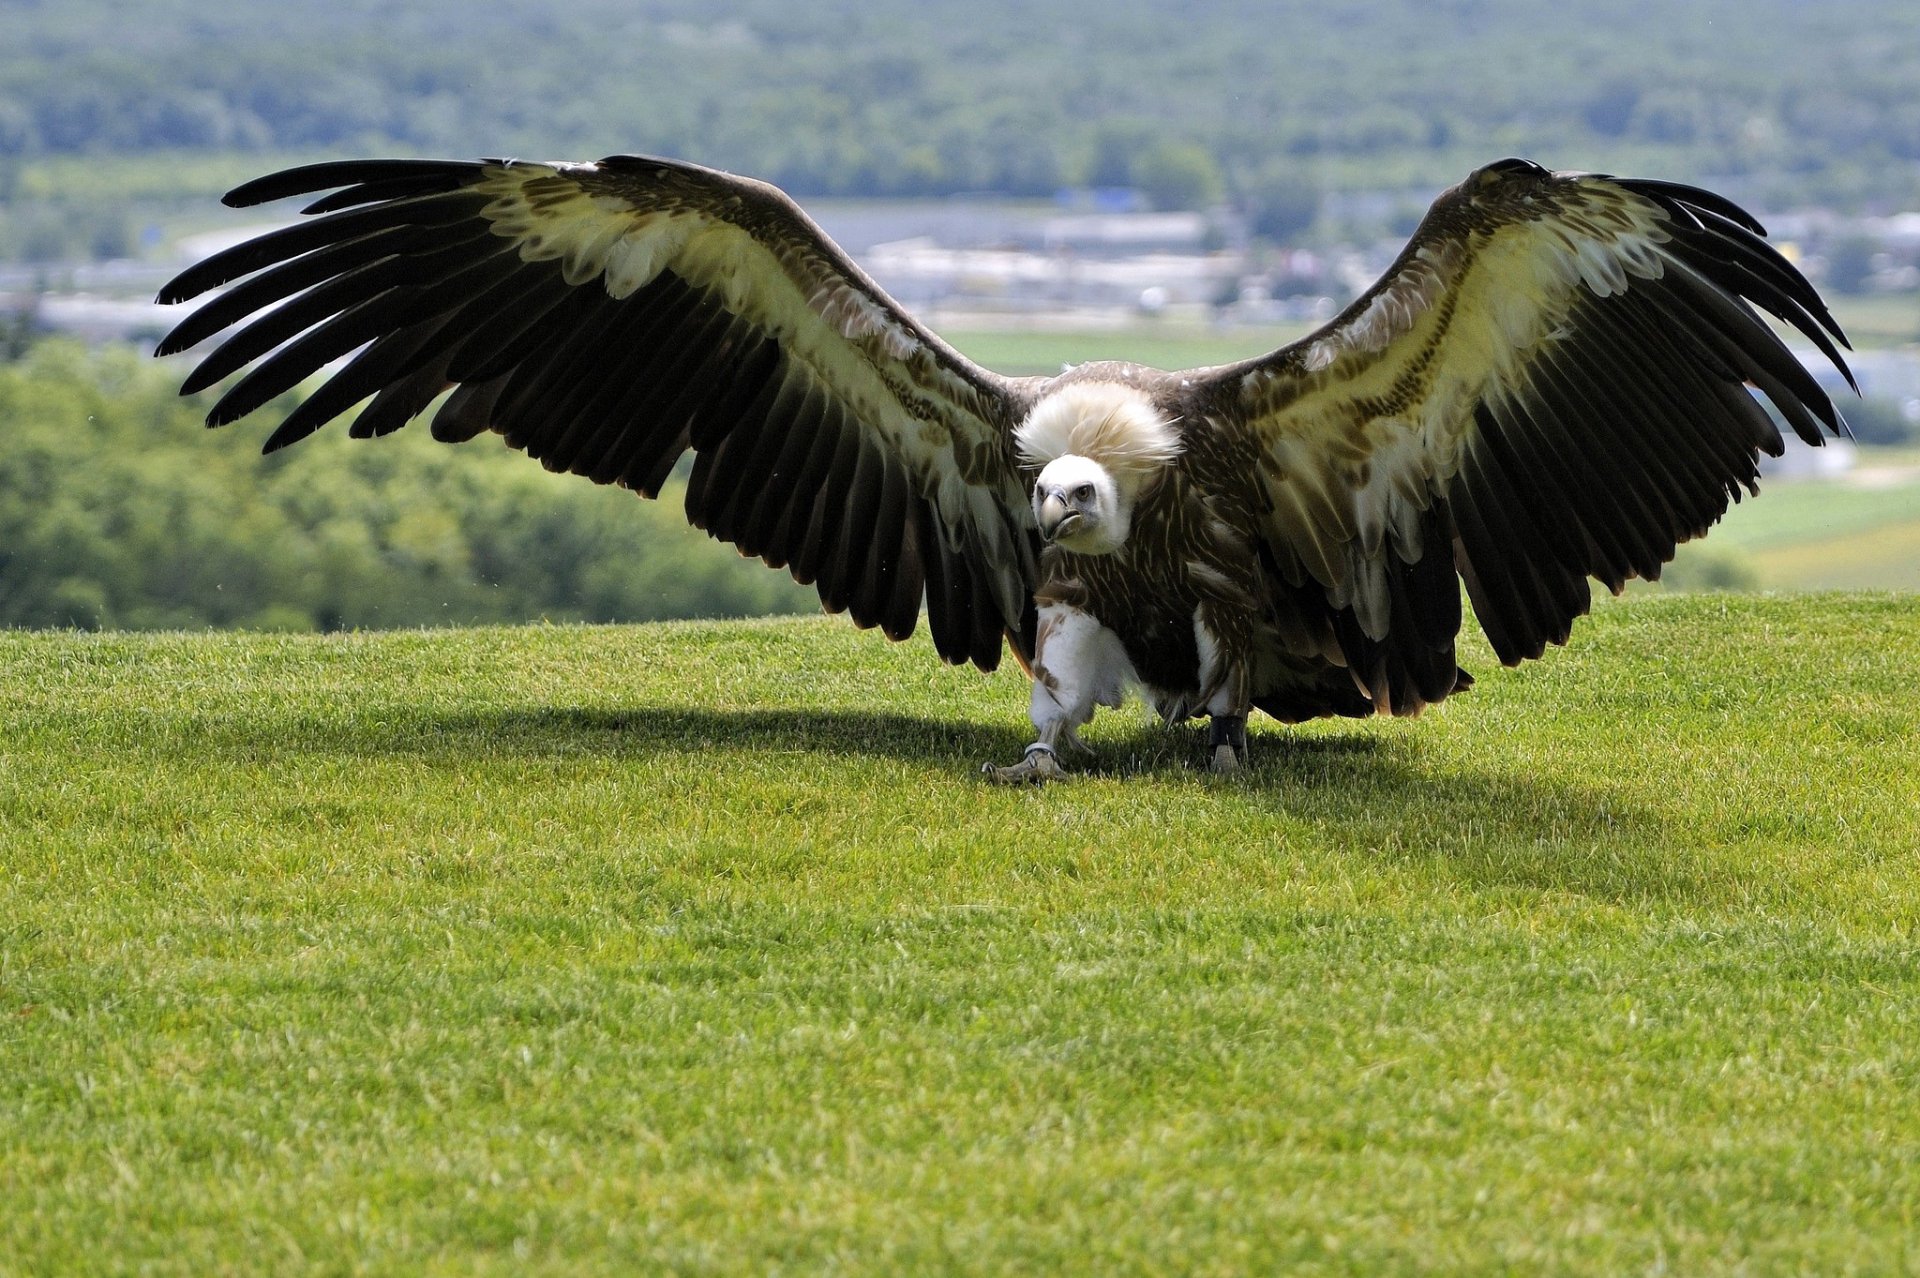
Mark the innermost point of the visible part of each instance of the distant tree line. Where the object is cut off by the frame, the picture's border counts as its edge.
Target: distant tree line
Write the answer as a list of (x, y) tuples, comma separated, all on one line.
[(119, 509), (1236, 99)]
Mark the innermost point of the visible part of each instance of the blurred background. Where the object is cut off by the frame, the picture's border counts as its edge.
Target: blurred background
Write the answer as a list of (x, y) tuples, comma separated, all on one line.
[(1043, 182)]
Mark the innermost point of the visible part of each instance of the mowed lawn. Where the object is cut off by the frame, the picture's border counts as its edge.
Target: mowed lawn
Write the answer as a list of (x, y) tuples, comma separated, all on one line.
[(701, 948)]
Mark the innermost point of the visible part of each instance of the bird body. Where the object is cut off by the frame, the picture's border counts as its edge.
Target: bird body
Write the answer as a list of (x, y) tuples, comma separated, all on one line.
[(1549, 385)]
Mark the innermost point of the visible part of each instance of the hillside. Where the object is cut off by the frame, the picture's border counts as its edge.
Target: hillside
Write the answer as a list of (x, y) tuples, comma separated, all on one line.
[(700, 947)]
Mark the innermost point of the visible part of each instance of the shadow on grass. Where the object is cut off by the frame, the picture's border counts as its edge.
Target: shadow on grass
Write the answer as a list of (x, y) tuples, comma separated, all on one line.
[(1148, 750), (655, 729), (1376, 798)]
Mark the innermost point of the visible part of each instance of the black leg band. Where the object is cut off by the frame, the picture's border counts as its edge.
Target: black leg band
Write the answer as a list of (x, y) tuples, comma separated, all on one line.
[(1227, 730)]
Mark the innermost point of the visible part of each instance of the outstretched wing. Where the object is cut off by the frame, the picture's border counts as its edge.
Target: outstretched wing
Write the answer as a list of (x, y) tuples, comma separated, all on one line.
[(607, 317), (1550, 384)]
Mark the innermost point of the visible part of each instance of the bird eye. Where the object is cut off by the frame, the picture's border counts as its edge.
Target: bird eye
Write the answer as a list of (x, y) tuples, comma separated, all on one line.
[(1083, 493)]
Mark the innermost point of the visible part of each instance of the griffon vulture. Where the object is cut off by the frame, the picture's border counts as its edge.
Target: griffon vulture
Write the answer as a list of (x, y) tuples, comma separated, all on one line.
[(1550, 384)]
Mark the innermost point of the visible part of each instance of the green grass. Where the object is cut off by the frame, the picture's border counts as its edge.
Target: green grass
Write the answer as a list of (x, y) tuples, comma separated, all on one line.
[(1818, 534), (699, 948)]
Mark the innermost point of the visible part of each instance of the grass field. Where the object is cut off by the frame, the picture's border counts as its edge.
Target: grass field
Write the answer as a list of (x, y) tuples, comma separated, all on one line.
[(699, 948), (1879, 319), (1828, 534)]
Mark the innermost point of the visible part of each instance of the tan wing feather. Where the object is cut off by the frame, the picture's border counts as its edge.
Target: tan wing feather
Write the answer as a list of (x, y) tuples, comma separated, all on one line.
[(607, 317)]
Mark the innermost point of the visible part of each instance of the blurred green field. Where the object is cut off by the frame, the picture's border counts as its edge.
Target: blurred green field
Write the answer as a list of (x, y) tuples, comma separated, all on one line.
[(1878, 319), (1883, 558), (1858, 531), (1870, 323)]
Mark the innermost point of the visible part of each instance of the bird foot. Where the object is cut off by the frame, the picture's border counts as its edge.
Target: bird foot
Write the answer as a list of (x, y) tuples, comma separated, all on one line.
[(1039, 767)]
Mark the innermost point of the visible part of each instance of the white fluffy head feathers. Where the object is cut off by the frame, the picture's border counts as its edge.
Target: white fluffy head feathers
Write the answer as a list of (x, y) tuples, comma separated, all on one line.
[(1098, 446), (1113, 424)]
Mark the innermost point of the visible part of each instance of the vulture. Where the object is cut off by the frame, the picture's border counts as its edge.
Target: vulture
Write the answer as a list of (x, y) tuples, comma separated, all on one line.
[(1553, 382)]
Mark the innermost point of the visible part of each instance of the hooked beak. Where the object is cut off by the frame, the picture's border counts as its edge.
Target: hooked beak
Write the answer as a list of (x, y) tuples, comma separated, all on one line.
[(1056, 517)]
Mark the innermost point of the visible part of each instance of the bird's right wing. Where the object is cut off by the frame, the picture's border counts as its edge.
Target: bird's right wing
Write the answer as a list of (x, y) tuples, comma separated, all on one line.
[(607, 317)]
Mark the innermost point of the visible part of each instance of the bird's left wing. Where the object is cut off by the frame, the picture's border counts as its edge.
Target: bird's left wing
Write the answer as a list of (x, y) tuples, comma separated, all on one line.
[(607, 317), (1550, 384)]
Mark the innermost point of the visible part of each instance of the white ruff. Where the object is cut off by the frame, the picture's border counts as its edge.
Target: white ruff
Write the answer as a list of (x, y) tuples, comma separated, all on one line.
[(1114, 425)]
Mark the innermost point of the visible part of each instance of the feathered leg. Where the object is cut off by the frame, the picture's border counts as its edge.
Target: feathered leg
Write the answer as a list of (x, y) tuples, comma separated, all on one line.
[(1077, 664), (1223, 676)]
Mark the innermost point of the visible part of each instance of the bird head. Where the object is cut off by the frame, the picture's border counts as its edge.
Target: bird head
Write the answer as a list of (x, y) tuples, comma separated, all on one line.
[(1079, 507), (1100, 446)]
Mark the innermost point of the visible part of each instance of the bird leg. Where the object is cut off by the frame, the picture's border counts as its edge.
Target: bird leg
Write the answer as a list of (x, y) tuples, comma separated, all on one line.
[(1227, 742), (1077, 664), (1223, 646)]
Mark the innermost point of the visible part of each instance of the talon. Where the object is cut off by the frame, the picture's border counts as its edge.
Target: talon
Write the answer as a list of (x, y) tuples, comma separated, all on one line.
[(1039, 767)]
